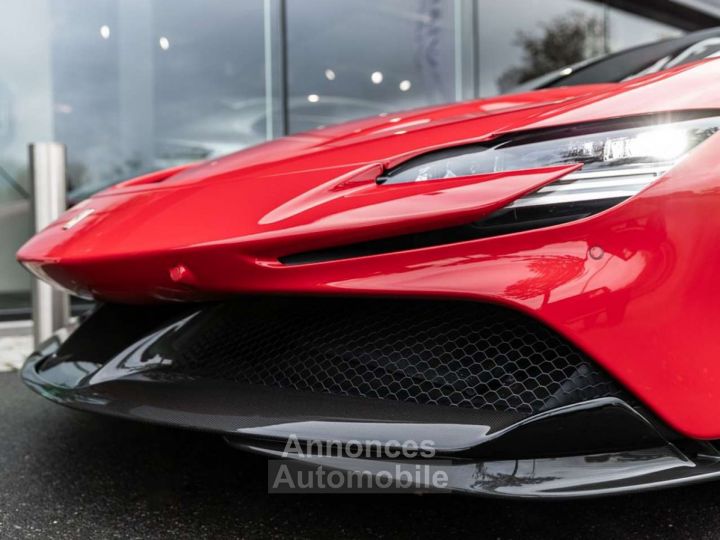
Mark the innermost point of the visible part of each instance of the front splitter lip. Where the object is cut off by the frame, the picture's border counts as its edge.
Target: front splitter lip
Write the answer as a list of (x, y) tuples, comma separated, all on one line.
[(569, 477), (255, 423)]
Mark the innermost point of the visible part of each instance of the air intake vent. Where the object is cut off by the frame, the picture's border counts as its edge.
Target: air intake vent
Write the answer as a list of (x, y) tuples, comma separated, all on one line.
[(511, 219), (451, 353)]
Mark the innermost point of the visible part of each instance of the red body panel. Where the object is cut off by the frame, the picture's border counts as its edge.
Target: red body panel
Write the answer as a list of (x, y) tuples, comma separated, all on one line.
[(645, 309)]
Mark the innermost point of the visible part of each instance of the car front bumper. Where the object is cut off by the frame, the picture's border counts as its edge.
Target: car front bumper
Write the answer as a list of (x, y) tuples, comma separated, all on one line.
[(597, 446)]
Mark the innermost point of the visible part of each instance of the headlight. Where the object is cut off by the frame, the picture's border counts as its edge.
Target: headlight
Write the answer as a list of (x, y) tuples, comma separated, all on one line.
[(619, 158), (617, 162)]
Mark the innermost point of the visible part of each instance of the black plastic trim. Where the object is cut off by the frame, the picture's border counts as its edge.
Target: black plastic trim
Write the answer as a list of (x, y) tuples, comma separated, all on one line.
[(502, 222)]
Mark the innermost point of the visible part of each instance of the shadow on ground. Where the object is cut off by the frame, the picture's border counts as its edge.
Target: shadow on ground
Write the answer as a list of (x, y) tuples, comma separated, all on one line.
[(65, 474)]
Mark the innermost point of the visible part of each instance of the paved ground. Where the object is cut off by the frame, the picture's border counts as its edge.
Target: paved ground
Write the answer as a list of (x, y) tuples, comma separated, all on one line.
[(67, 474)]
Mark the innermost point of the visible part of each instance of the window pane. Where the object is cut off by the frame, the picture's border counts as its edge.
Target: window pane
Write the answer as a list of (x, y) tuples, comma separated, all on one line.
[(210, 81), (357, 58), (627, 30), (523, 39), (144, 85)]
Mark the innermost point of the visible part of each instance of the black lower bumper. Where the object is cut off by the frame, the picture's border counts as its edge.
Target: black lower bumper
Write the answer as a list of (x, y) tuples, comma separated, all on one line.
[(597, 446)]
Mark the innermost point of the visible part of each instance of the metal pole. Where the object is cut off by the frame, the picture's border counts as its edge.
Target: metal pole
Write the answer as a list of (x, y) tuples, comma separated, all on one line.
[(276, 91), (467, 81), (51, 308)]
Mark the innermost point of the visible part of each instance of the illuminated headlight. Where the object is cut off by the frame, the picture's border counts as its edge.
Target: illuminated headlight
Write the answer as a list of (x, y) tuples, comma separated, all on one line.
[(617, 160)]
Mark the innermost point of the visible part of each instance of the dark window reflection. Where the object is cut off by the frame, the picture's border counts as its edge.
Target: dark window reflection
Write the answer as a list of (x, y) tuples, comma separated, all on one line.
[(143, 85), (357, 58), (562, 41), (542, 36)]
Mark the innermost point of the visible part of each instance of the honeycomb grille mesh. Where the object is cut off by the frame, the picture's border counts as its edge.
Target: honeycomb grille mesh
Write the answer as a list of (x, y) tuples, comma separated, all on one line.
[(449, 353)]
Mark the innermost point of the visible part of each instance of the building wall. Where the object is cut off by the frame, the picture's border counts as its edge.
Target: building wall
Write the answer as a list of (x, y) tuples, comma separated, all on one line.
[(136, 85)]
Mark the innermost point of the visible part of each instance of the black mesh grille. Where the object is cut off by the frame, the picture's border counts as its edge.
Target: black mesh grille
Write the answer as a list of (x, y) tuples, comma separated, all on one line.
[(452, 353)]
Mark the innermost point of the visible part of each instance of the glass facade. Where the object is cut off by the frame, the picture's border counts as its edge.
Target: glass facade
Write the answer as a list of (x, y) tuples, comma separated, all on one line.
[(362, 58), (132, 86), (138, 85)]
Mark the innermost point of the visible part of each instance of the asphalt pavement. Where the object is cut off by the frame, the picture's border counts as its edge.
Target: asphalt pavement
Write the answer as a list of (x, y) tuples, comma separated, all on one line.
[(67, 474)]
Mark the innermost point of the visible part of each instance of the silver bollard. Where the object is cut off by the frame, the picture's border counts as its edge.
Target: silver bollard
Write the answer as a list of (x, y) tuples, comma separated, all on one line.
[(51, 308)]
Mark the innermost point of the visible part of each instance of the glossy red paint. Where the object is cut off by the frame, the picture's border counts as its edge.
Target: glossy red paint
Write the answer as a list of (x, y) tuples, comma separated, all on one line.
[(643, 305)]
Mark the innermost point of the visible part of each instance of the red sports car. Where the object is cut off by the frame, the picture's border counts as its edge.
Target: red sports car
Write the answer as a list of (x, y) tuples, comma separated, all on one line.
[(527, 283)]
